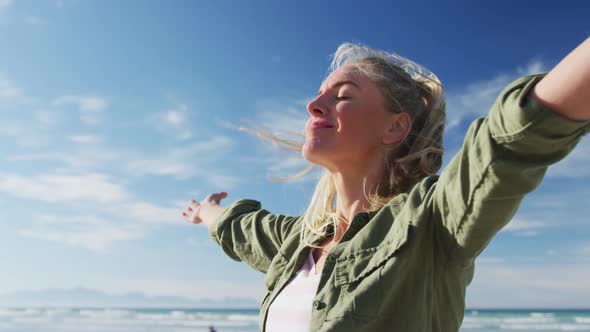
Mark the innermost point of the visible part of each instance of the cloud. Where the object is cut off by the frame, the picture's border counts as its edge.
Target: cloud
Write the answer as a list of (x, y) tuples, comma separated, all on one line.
[(34, 20), (85, 139), (181, 170), (89, 232), (90, 107), (287, 120), (10, 92), (96, 228), (86, 159), (192, 160), (194, 289), (529, 285), (214, 146), (175, 121), (523, 227), (475, 99), (176, 117), (85, 103), (221, 181), (4, 4), (48, 118), (287, 163), (21, 136), (584, 250), (570, 167), (188, 161), (279, 117), (147, 213), (8, 89), (63, 188)]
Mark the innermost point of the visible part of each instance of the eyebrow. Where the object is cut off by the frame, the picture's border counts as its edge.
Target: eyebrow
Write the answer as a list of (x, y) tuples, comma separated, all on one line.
[(341, 83)]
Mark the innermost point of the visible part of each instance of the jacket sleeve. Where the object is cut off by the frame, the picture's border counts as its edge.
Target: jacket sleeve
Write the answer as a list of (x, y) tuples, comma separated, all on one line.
[(504, 156), (248, 233)]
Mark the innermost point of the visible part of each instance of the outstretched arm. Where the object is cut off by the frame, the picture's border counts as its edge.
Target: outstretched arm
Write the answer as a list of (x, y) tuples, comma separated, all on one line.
[(566, 89), (506, 154)]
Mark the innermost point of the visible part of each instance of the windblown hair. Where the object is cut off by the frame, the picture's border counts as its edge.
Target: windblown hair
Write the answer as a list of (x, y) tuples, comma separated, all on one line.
[(406, 87)]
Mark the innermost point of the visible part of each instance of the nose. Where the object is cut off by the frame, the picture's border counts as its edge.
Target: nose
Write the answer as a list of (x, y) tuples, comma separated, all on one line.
[(316, 108)]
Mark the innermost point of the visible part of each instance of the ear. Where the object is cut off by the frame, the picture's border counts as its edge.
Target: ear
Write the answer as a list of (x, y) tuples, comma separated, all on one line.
[(398, 128)]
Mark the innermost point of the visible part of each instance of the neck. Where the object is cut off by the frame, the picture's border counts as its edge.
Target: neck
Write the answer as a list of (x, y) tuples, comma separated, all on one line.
[(353, 186)]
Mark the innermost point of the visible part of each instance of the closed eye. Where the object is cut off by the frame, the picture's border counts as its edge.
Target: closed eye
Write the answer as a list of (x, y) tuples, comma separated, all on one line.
[(342, 98)]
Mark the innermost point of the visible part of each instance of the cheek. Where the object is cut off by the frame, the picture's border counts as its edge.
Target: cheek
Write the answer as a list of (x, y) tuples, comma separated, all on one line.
[(358, 128)]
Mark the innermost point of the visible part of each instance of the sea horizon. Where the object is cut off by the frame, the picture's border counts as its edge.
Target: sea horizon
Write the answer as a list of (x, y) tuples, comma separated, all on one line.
[(184, 319)]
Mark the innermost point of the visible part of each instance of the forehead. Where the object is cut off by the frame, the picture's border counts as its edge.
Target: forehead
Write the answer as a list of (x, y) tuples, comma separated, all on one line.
[(345, 73)]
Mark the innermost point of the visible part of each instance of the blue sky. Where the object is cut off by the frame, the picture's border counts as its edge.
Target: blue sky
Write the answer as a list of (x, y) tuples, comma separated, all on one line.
[(113, 114)]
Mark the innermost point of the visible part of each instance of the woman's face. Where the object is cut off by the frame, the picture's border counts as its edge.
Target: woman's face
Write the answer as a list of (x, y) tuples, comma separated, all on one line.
[(347, 120)]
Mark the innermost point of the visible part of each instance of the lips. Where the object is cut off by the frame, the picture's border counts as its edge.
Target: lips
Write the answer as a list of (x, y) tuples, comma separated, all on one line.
[(321, 124)]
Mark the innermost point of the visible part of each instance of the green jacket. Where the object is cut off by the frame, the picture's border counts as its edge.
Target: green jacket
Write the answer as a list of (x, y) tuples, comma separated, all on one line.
[(406, 267)]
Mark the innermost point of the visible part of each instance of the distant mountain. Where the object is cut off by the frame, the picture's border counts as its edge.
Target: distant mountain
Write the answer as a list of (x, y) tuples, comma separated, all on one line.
[(84, 297)]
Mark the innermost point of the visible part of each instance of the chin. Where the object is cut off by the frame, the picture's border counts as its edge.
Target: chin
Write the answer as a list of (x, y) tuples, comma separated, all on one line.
[(313, 155), (310, 154)]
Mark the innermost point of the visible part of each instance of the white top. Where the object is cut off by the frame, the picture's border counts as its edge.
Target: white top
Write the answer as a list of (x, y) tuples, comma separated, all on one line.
[(291, 309)]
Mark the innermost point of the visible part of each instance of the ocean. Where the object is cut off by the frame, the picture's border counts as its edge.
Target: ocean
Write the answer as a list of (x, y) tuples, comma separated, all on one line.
[(246, 320)]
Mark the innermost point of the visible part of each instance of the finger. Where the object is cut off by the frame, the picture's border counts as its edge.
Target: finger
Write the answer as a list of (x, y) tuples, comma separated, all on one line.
[(221, 196), (194, 215), (193, 204), (217, 197)]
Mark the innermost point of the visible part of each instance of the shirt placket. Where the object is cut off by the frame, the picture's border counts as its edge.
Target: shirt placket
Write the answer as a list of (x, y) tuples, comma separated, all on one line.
[(319, 303)]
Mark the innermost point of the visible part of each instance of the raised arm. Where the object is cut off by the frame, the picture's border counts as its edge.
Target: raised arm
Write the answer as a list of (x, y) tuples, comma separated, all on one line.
[(505, 155), (566, 89)]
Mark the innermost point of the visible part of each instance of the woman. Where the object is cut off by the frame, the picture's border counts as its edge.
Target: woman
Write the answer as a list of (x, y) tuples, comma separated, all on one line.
[(386, 245)]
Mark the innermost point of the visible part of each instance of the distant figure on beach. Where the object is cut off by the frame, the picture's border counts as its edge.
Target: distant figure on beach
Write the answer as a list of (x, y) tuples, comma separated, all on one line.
[(212, 329), (386, 244)]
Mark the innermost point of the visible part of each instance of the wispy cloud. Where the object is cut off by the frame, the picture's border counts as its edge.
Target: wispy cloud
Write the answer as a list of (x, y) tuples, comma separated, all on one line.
[(10, 91), (34, 20), (573, 165), (584, 250), (523, 227), (4, 4), (121, 216), (85, 139), (188, 161), (282, 117), (286, 119), (91, 107), (48, 118), (145, 212), (63, 188), (283, 163), (90, 232), (84, 160), (191, 288), (223, 182), (85, 103), (504, 285), (475, 99), (176, 121)]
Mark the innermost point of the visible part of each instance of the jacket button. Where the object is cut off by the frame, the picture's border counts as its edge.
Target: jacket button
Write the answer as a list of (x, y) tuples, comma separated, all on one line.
[(316, 304), (332, 259)]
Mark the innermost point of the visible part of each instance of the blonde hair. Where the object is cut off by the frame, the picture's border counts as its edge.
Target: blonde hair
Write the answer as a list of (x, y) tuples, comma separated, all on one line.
[(407, 87)]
